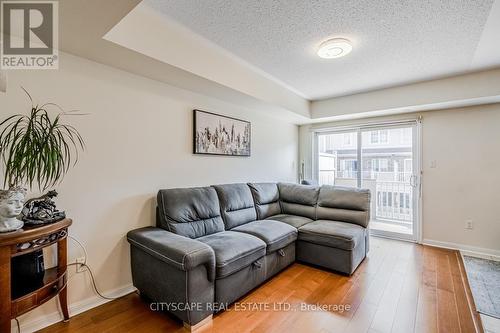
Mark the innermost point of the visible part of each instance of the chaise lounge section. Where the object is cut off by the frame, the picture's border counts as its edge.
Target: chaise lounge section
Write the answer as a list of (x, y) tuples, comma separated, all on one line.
[(339, 237), (214, 244)]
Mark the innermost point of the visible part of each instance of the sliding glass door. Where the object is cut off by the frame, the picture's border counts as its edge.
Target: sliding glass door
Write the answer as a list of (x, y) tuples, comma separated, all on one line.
[(382, 158), (338, 159)]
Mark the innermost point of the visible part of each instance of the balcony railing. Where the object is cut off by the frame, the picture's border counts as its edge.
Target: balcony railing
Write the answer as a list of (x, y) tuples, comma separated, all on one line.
[(377, 175), (393, 201)]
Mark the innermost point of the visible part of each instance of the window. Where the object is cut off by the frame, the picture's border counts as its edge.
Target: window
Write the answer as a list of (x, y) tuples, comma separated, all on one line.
[(406, 135), (408, 165), (383, 136), (348, 139), (332, 151), (348, 168), (383, 164), (325, 143), (379, 136), (380, 164)]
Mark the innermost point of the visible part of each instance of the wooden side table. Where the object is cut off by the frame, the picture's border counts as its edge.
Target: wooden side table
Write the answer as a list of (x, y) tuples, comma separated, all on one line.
[(27, 240)]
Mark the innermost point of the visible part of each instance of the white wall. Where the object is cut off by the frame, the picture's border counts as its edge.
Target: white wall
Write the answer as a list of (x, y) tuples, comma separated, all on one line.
[(139, 139), (466, 182)]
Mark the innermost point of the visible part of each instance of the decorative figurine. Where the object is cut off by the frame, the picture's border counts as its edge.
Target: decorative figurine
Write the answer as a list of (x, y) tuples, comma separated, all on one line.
[(42, 210), (11, 205)]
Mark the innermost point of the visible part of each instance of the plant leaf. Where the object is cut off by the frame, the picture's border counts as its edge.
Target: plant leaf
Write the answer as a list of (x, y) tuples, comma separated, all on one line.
[(37, 149)]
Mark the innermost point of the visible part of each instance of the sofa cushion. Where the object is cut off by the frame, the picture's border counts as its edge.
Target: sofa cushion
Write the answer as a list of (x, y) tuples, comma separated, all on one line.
[(345, 236), (190, 212), (344, 204), (233, 251), (298, 199), (293, 220), (236, 204), (266, 197), (275, 234)]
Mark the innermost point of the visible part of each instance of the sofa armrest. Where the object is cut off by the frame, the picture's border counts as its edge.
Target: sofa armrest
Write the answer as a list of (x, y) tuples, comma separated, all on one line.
[(178, 251)]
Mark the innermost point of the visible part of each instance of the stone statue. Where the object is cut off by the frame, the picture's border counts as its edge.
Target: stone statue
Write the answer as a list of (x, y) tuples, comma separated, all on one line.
[(11, 205), (42, 210)]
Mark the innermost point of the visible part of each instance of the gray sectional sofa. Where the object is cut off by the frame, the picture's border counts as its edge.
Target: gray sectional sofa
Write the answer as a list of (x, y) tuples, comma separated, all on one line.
[(214, 244)]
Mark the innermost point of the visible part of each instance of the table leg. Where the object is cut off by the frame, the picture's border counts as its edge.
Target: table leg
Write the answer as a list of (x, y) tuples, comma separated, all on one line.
[(5, 311), (63, 300), (62, 266)]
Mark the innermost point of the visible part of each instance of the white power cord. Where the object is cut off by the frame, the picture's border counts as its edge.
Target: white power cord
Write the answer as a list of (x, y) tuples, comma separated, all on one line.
[(84, 264), (18, 325), (83, 248), (80, 265)]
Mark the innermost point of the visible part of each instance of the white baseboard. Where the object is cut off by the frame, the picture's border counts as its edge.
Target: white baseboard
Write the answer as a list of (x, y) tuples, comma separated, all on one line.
[(467, 250), (74, 309)]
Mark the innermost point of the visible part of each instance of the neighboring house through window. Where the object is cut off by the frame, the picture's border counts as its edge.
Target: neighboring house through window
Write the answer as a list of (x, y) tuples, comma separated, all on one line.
[(379, 136), (380, 164), (349, 168), (348, 139)]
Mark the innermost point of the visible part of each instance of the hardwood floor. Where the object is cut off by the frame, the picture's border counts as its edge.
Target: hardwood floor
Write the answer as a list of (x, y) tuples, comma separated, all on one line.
[(401, 287)]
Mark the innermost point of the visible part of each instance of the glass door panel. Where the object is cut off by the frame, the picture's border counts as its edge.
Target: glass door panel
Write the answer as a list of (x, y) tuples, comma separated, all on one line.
[(387, 156), (338, 159)]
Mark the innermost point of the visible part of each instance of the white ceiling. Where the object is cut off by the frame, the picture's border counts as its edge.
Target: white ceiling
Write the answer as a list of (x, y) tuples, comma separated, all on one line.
[(395, 42)]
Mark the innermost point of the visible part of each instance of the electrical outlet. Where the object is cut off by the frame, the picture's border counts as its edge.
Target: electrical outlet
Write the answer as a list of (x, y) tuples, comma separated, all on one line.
[(469, 225), (80, 268)]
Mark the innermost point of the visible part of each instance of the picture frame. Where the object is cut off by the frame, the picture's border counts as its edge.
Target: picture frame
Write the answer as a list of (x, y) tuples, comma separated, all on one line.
[(216, 134)]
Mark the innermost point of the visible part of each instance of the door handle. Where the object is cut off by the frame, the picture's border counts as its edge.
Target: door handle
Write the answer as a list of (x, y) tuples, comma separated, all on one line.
[(413, 181)]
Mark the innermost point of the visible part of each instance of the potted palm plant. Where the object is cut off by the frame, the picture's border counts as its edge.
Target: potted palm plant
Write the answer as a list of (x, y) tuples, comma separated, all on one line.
[(36, 151)]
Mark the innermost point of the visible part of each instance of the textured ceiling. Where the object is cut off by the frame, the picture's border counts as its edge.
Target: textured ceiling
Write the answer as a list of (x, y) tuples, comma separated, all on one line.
[(395, 41)]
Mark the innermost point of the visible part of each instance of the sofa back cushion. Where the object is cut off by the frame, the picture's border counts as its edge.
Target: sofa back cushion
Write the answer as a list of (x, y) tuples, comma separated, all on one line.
[(190, 212), (344, 204), (298, 199), (236, 204), (266, 198)]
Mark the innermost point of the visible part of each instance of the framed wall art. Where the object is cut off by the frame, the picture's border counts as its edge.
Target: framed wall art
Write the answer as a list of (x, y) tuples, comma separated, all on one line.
[(216, 134)]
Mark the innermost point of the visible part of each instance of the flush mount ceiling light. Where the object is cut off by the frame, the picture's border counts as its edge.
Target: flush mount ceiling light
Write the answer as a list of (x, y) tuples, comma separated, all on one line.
[(334, 48)]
